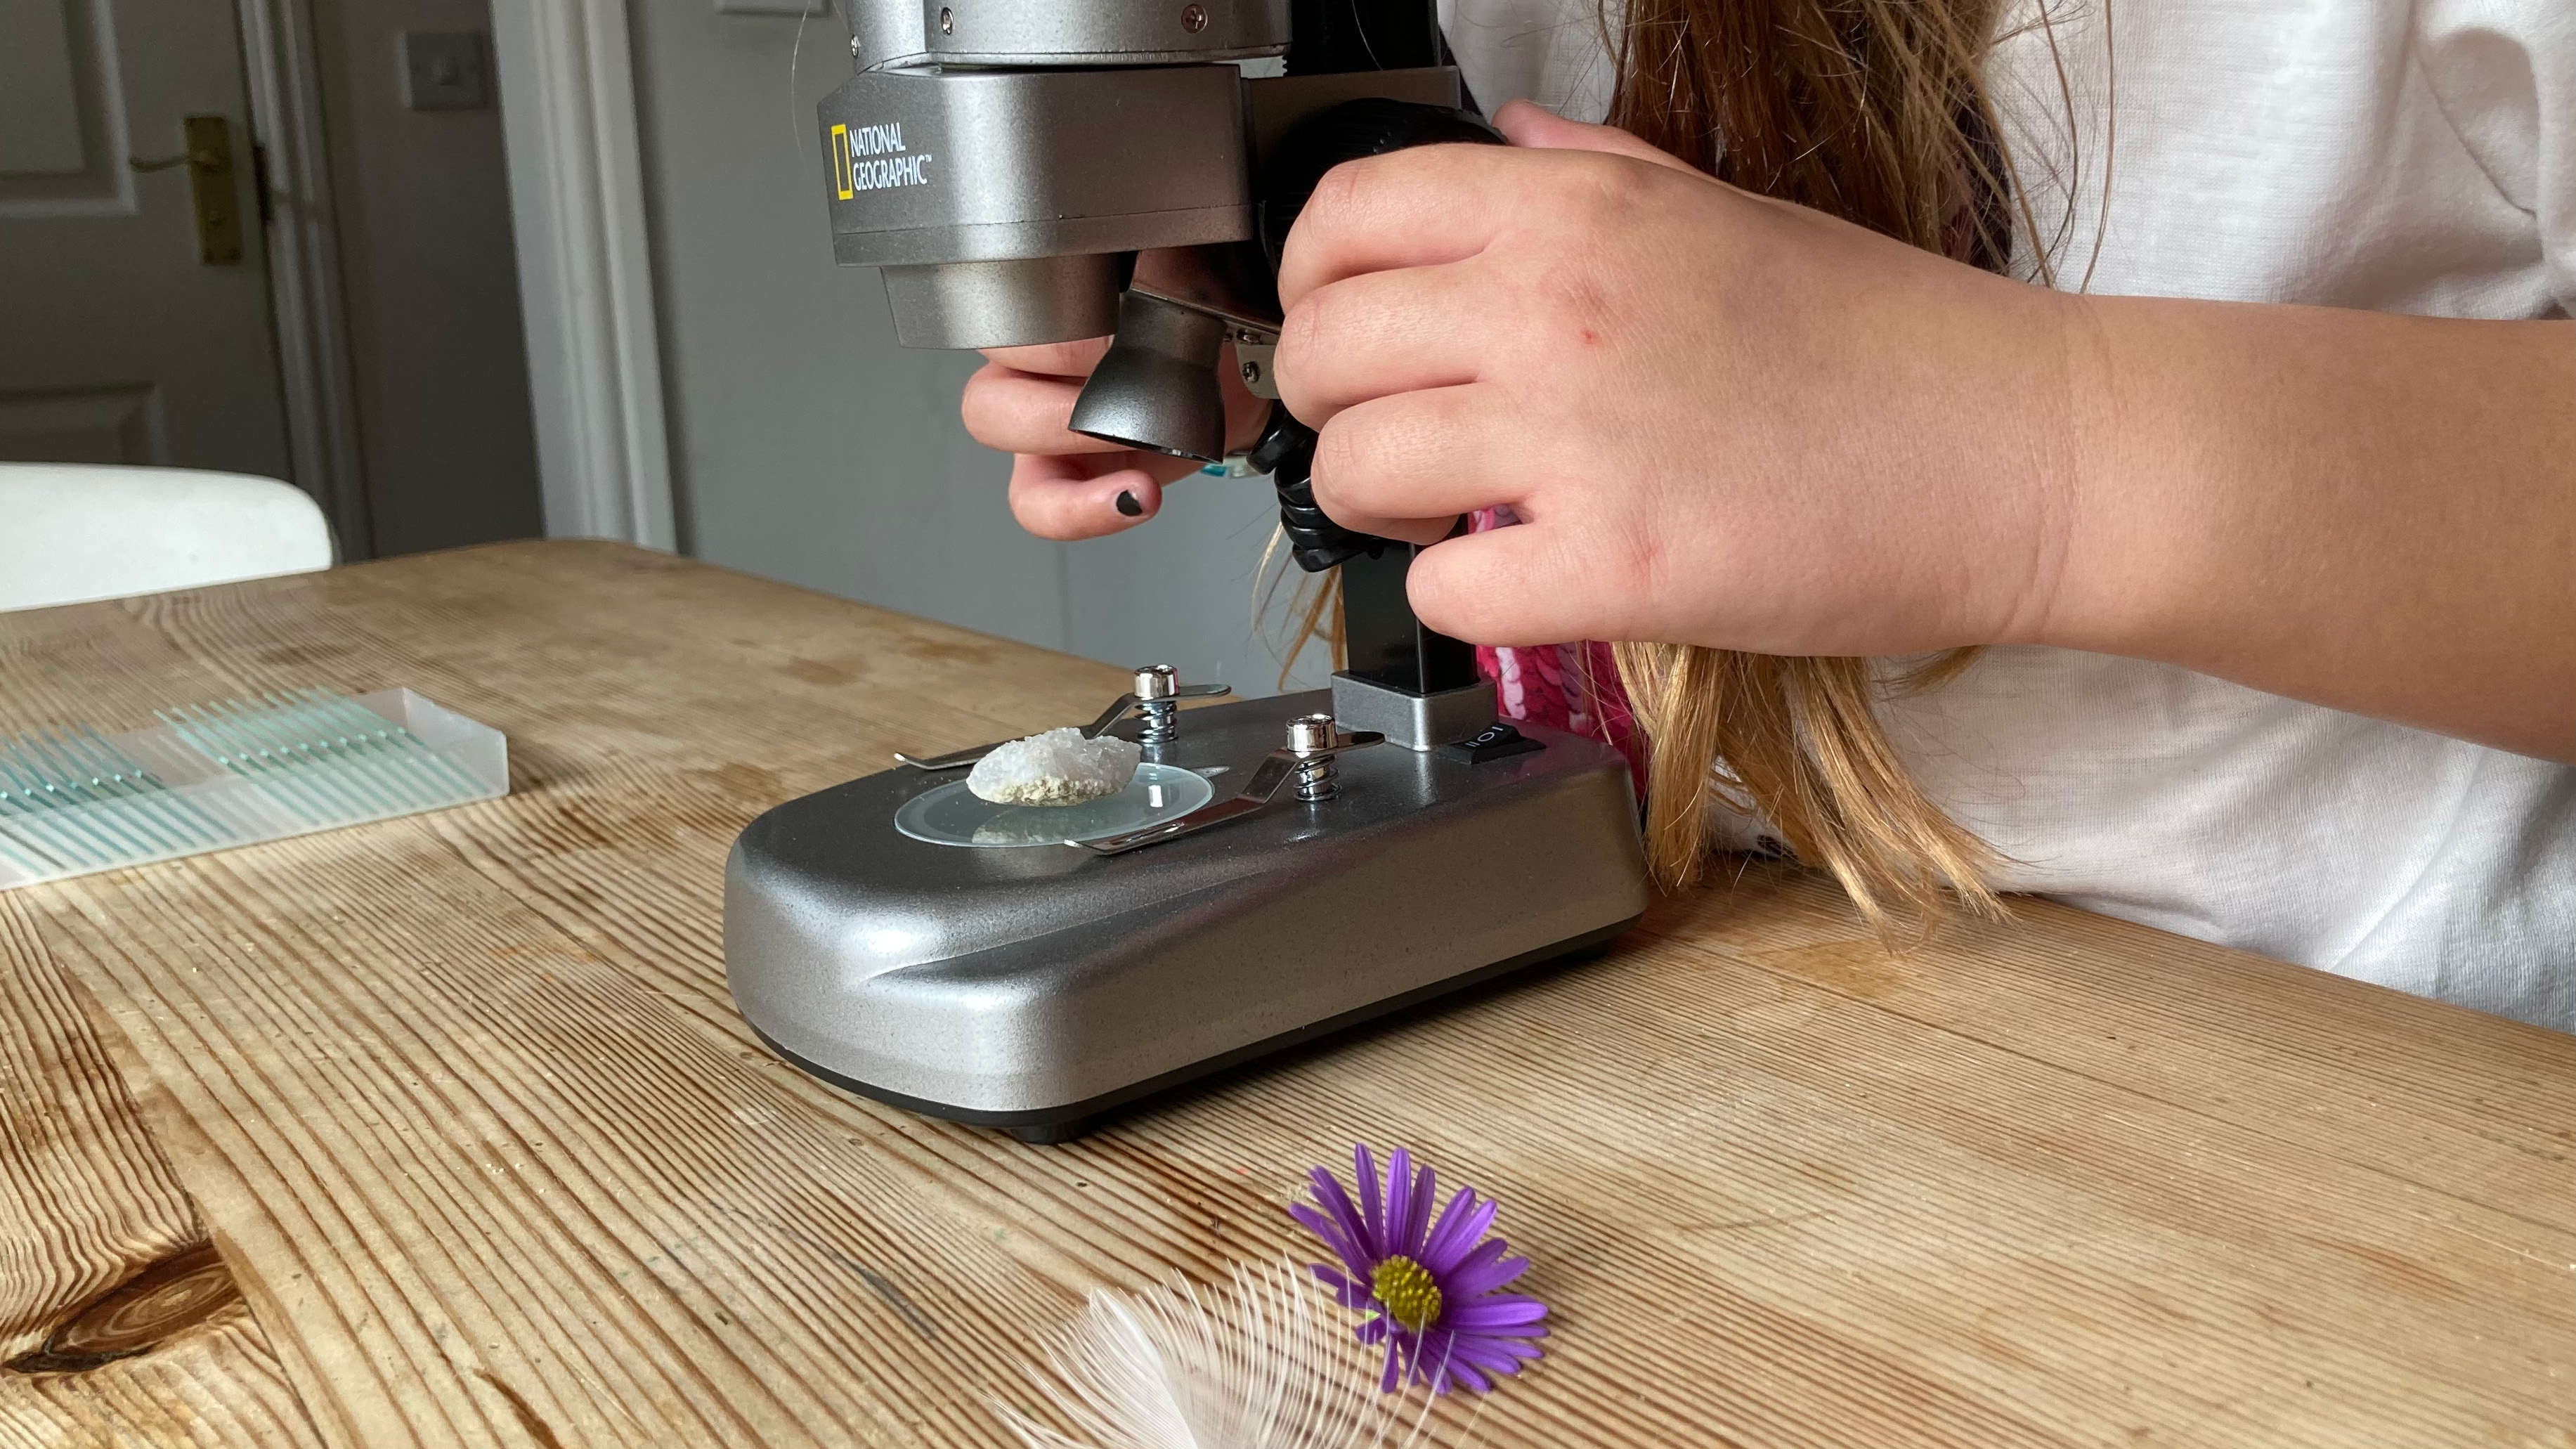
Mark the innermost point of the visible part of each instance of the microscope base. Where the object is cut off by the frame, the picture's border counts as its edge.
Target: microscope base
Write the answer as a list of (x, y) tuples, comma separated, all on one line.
[(1051, 1125), (1038, 988)]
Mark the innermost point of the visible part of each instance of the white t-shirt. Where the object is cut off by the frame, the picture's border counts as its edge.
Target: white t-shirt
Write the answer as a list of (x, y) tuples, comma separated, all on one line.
[(2406, 157)]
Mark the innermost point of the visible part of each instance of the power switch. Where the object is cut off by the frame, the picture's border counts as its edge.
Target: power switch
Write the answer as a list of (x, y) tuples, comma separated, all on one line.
[(1496, 741)]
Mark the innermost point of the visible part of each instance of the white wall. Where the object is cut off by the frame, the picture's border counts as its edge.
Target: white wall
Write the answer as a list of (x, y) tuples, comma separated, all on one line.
[(807, 446), (430, 281)]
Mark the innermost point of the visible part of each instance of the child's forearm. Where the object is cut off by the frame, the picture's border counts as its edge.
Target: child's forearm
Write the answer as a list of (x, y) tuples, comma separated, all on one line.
[(2373, 512)]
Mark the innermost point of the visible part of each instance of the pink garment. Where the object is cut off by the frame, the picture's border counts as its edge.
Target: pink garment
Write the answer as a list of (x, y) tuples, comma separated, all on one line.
[(1572, 687)]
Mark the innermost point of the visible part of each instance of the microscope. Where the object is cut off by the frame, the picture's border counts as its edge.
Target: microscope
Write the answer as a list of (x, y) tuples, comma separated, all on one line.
[(1280, 869)]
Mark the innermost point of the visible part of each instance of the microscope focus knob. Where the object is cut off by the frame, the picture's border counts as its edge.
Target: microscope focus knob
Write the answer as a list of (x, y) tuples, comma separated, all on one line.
[(1370, 126)]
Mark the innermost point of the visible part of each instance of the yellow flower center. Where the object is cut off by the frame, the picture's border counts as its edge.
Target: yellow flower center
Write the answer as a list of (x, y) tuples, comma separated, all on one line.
[(1412, 1299)]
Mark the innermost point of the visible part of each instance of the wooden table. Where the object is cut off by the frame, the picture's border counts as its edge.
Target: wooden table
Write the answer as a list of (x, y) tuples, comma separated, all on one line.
[(443, 1131)]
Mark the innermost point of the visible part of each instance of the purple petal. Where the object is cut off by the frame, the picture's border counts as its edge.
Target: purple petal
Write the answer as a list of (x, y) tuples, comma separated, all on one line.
[(1503, 1355), (1417, 1221), (1494, 1352), (1399, 1201), (1372, 1214), (1443, 1375), (1500, 1311), (1330, 1278), (1482, 1352), (1492, 1363), (1337, 1204), (1387, 1381), (1481, 1282), (1447, 1224), (1348, 1293), (1416, 1369), (1322, 1227), (1342, 1270), (1319, 1222), (1479, 1258), (1460, 1227), (1446, 1367), (1485, 1270)]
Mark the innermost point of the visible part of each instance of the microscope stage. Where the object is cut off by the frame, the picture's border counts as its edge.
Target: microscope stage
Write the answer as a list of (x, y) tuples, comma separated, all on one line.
[(1036, 987)]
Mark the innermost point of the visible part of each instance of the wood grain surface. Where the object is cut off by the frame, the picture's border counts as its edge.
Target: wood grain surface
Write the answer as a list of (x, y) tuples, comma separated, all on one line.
[(119, 1324), (463, 1105)]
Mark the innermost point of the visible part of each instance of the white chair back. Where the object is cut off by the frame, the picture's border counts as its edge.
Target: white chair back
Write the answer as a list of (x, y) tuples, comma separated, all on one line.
[(76, 531)]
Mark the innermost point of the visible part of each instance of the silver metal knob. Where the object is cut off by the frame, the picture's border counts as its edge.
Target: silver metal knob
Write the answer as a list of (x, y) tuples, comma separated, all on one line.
[(1156, 700), (1306, 761), (1313, 734), (1157, 688)]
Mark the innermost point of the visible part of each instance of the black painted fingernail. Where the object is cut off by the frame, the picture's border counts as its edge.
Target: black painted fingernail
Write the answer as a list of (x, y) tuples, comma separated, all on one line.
[(1128, 505)]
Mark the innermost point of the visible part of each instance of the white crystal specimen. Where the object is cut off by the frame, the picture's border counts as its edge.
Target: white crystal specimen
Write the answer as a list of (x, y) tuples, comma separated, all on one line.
[(1058, 767)]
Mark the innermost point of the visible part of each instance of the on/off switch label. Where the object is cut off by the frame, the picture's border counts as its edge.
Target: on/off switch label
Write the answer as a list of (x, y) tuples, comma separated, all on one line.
[(872, 158)]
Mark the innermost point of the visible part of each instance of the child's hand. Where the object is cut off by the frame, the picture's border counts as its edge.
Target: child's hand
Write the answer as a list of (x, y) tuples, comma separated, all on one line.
[(1065, 485), (1726, 420)]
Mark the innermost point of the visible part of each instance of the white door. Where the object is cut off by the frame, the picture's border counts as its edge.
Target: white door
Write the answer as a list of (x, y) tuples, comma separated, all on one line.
[(125, 335)]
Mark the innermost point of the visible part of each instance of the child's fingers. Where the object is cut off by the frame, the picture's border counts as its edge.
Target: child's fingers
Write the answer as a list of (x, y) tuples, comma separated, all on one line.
[(1052, 359), (1387, 332), (1416, 208), (1019, 412), (1506, 586), (1068, 497), (1406, 466)]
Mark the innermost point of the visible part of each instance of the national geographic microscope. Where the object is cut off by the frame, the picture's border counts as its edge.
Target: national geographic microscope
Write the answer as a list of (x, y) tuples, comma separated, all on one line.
[(1280, 868)]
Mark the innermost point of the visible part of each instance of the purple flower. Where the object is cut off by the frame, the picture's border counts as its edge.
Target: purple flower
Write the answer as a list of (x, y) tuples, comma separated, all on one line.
[(1430, 1288)]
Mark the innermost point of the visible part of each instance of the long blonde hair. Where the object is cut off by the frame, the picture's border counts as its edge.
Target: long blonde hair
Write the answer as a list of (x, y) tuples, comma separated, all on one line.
[(1874, 111)]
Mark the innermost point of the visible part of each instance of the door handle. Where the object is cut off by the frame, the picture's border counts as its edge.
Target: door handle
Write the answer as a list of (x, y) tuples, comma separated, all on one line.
[(209, 159)]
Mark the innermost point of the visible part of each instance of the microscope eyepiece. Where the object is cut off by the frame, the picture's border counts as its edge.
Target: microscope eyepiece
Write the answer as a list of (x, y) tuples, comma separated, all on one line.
[(1157, 387)]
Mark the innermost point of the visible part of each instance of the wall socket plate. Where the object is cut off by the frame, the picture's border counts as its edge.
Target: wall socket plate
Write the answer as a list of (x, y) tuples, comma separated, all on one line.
[(445, 70)]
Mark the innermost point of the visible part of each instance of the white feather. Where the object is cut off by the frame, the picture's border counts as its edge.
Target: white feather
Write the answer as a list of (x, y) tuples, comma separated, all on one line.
[(1250, 1364)]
